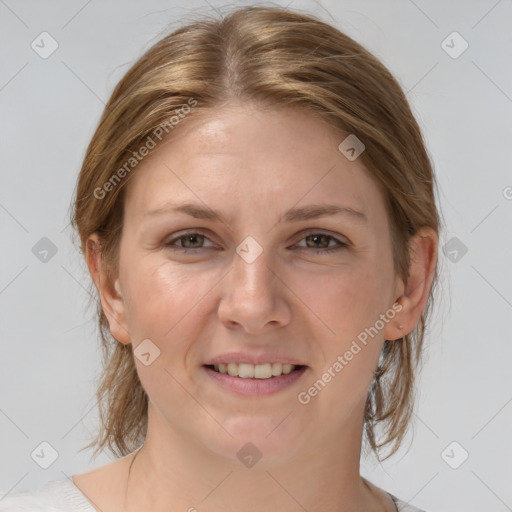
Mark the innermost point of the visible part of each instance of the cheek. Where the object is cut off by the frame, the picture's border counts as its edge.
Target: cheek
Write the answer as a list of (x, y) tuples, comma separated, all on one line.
[(167, 307), (164, 296), (344, 300), (347, 304), (344, 306)]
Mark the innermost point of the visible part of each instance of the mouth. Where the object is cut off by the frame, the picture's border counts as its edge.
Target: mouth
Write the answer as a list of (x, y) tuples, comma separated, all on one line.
[(254, 380), (254, 371)]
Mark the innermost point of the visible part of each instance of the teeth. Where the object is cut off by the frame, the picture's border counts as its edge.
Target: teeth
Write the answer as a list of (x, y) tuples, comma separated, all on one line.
[(254, 371)]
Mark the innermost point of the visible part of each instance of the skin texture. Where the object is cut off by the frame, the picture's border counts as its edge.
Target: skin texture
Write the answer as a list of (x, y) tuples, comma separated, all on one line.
[(253, 165)]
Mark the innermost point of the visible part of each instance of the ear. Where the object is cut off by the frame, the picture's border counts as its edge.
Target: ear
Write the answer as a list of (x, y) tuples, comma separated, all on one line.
[(109, 289), (413, 293)]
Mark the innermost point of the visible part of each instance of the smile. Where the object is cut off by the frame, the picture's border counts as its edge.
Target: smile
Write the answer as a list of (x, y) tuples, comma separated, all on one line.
[(260, 379), (254, 371)]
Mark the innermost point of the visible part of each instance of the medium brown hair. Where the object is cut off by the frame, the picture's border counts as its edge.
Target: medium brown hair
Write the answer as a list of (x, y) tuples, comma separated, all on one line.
[(276, 58)]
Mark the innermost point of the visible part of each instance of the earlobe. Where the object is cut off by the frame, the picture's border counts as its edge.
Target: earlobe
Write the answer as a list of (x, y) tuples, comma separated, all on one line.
[(109, 292), (415, 292)]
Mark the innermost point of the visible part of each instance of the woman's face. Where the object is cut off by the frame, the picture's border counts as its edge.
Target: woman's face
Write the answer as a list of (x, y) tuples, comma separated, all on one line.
[(265, 276)]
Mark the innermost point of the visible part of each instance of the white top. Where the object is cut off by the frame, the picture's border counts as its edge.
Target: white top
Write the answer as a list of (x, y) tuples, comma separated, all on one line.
[(65, 496)]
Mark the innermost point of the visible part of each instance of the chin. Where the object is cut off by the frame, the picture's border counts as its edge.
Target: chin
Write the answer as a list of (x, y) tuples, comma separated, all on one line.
[(263, 442)]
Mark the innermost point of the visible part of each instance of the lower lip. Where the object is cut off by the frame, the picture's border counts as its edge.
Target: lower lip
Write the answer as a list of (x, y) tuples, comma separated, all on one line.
[(256, 387)]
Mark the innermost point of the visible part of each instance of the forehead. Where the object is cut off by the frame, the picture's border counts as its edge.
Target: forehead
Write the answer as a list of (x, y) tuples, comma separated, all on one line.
[(240, 156)]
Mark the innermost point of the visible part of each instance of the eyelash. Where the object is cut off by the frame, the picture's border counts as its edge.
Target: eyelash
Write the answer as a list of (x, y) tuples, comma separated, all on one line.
[(327, 250)]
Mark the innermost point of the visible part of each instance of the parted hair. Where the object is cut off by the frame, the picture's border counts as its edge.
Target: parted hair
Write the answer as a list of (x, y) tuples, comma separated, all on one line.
[(277, 58)]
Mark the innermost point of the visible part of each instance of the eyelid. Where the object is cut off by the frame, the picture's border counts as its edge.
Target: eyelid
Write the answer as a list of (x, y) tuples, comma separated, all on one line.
[(337, 237), (179, 235), (303, 234)]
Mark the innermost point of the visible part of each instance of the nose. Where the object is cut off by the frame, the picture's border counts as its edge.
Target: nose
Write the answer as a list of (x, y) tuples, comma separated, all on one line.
[(254, 298)]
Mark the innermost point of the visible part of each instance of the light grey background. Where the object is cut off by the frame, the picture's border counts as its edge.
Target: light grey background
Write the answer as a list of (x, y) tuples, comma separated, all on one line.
[(49, 346)]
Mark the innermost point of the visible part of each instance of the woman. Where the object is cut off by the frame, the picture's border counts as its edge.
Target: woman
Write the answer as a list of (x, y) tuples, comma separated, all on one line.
[(257, 212)]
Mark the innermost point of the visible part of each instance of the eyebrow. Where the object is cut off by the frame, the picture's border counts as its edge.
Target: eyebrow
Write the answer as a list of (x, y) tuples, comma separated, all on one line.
[(296, 214)]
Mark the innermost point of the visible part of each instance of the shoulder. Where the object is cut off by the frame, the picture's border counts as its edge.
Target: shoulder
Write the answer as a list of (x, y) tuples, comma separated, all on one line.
[(403, 506), (85, 492), (399, 505), (54, 496)]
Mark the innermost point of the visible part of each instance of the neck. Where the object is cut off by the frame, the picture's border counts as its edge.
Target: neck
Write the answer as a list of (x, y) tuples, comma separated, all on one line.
[(174, 471)]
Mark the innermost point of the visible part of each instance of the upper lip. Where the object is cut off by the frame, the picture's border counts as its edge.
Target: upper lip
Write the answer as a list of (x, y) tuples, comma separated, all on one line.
[(254, 358)]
